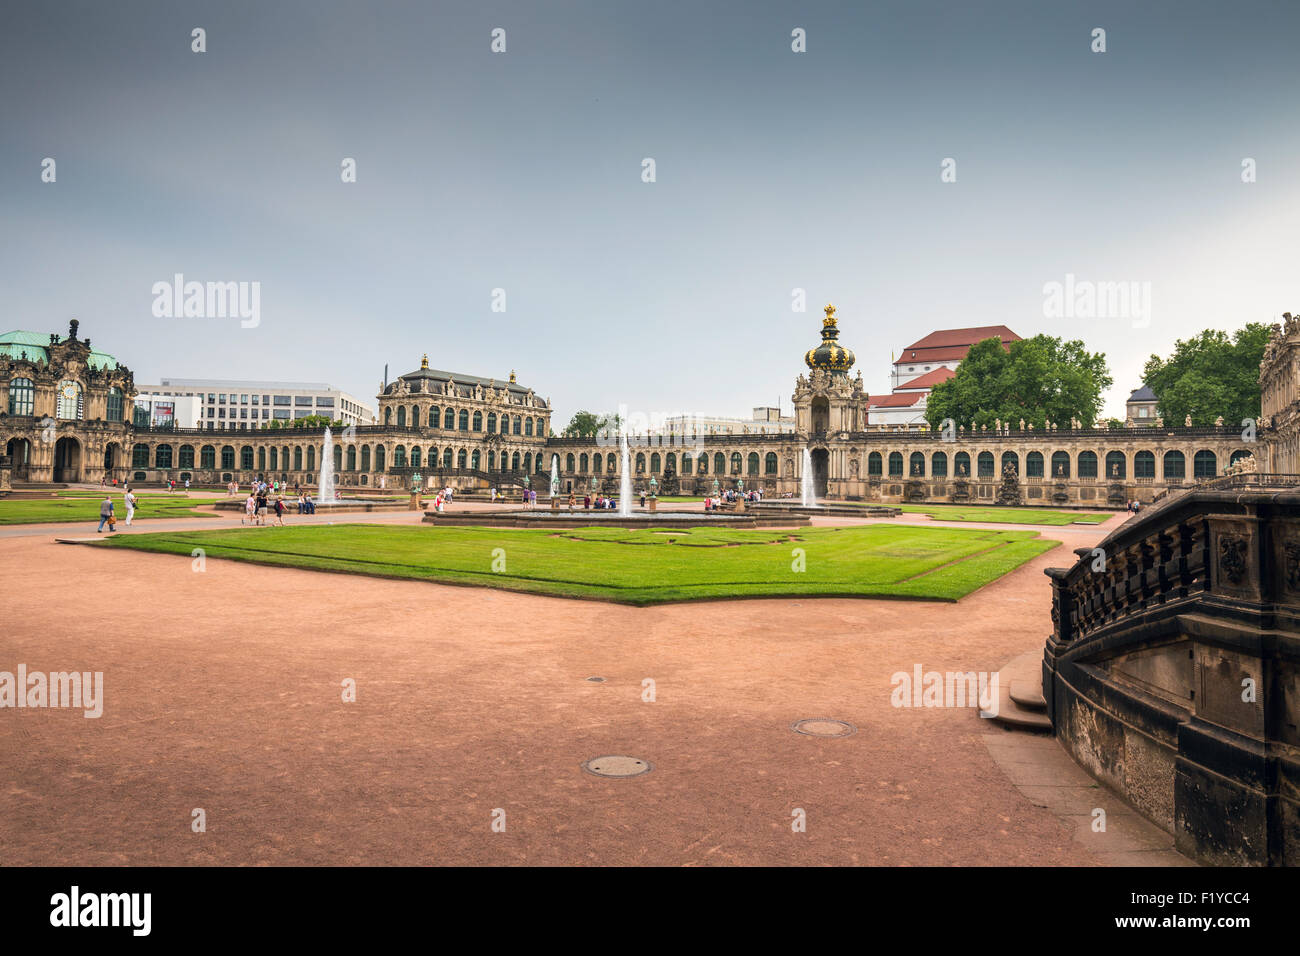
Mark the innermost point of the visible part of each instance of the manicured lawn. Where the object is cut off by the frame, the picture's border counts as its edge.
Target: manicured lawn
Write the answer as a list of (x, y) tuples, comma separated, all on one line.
[(1009, 515), (636, 566), (78, 505)]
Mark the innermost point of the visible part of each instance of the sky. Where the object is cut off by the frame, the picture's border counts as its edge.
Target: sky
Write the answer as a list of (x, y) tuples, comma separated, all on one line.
[(523, 171)]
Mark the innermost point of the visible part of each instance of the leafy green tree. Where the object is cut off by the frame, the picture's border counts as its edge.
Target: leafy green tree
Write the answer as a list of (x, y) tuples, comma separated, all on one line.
[(585, 424), (1040, 379), (1209, 375), (315, 421)]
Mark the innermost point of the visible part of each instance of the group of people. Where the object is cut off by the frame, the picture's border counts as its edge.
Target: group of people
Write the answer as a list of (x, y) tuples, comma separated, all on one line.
[(714, 502), (1134, 507), (600, 502), (169, 485)]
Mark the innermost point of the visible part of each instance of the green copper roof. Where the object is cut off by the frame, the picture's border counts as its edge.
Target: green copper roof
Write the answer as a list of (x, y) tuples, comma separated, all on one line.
[(14, 344)]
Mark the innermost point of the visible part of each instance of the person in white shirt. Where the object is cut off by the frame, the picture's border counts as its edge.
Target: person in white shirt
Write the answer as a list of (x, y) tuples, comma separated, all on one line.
[(129, 500)]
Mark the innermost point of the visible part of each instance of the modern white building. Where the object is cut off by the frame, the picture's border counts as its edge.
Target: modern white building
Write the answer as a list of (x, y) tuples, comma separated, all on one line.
[(766, 420), (154, 410), (234, 405)]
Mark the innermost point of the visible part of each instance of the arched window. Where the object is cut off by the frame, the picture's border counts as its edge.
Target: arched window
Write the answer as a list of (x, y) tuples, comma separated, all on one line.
[(528, 427), (528, 461), (401, 416), (208, 457), (478, 421), (769, 463), (961, 465), (492, 423), (1144, 465), (1175, 465), (379, 458), (388, 416), (365, 457), (875, 464), (474, 460), (595, 463), (1116, 465), (916, 465), (433, 416), (985, 464), (297, 457), (735, 462), (655, 464), (22, 398), (702, 464), (492, 460), (582, 463), (610, 466), (186, 457), (1012, 459), (70, 400), (1238, 455), (162, 456), (415, 456), (1088, 464), (399, 456), (114, 410), (719, 463), (449, 419), (1034, 464), (352, 457), (1061, 463), (569, 463), (751, 463), (311, 457), (939, 465), (517, 425), (261, 458), (514, 460), (895, 464), (640, 463), (447, 455), (541, 428), (462, 459), (140, 456), (275, 459), (338, 457), (1205, 464), (228, 457)]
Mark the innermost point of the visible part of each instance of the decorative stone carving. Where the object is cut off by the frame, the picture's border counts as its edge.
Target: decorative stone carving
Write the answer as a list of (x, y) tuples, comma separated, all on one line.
[(1232, 557)]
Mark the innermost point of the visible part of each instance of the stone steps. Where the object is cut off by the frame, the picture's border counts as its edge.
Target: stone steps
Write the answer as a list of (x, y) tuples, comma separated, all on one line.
[(1021, 705)]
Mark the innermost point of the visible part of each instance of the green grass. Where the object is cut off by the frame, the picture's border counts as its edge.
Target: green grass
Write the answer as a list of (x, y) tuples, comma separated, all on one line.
[(1007, 515), (636, 566), (78, 505)]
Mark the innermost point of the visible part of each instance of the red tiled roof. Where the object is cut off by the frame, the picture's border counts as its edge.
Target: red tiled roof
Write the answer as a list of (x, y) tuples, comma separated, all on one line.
[(949, 337), (896, 400), (929, 379)]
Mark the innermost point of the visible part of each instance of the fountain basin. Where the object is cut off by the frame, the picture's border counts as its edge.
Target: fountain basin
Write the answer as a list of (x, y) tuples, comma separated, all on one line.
[(603, 518), (334, 506), (795, 507)]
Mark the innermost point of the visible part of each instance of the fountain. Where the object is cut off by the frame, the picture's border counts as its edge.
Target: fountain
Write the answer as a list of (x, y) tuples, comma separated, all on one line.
[(555, 475), (807, 491), (325, 484), (624, 478)]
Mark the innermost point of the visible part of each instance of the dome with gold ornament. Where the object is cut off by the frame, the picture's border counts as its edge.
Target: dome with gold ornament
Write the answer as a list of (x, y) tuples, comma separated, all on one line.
[(830, 355)]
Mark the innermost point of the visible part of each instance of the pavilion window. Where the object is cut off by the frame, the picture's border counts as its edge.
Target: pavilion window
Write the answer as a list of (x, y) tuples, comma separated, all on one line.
[(751, 464), (399, 456), (208, 457), (939, 465), (568, 463), (895, 464), (297, 457), (985, 463), (415, 456), (1205, 464), (464, 420), (640, 463), (446, 458), (474, 460), (187, 456), (1116, 465), (228, 458), (1144, 465), (1061, 464), (719, 464), (478, 421), (311, 457), (1012, 459), (961, 465), (114, 410), (140, 456), (528, 427), (449, 419), (514, 460), (365, 457), (162, 456), (875, 464), (655, 464), (596, 461), (916, 465), (686, 463), (492, 423), (401, 416), (735, 462), (379, 458), (352, 458), (1034, 464), (22, 396), (433, 416)]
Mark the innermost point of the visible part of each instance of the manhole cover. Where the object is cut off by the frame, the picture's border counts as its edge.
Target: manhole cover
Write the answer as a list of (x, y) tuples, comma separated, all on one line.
[(823, 727), (617, 765), (596, 680)]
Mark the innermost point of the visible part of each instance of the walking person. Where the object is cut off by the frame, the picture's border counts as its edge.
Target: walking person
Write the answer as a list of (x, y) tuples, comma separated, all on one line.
[(279, 510), (128, 499), (250, 510), (106, 515)]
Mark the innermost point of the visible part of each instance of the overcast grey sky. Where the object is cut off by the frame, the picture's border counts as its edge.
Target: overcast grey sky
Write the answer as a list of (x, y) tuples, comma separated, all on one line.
[(522, 171)]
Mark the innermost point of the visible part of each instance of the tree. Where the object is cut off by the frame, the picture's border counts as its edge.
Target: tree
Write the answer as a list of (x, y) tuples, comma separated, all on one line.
[(1210, 375), (315, 421), (1040, 379), (585, 424)]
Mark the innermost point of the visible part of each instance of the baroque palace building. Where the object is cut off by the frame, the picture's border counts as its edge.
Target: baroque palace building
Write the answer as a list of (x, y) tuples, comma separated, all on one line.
[(64, 417)]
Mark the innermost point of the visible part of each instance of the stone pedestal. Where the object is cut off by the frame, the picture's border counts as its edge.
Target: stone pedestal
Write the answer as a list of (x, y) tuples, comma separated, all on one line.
[(652, 502), (415, 501)]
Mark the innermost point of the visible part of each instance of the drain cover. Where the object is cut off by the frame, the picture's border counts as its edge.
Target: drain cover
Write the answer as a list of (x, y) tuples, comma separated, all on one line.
[(823, 727), (617, 765), (596, 680)]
